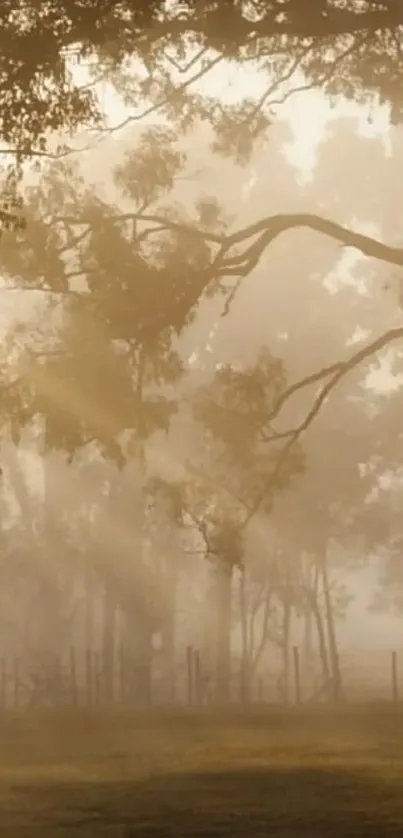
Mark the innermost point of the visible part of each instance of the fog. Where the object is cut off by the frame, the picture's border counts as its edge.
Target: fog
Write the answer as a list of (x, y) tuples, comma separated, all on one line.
[(306, 302)]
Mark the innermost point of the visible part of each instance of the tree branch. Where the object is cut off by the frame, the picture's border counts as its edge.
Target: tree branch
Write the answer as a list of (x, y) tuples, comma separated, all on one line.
[(161, 223), (280, 21), (262, 232), (165, 100), (268, 229), (336, 372)]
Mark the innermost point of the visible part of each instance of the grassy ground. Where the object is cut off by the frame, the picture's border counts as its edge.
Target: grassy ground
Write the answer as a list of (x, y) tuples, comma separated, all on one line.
[(285, 775)]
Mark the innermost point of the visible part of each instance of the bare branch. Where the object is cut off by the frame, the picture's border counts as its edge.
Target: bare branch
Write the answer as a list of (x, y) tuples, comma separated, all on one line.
[(165, 100), (49, 155), (162, 223), (278, 83), (312, 378), (325, 76), (336, 372)]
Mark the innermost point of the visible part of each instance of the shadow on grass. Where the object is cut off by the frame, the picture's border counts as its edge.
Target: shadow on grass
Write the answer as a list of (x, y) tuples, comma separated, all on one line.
[(289, 803)]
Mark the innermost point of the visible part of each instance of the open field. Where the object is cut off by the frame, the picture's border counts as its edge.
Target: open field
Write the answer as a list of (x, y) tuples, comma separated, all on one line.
[(316, 774)]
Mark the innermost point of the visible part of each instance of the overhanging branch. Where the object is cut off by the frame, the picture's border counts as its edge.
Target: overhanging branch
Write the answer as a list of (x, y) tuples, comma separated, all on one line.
[(255, 239), (262, 232), (282, 21), (268, 229)]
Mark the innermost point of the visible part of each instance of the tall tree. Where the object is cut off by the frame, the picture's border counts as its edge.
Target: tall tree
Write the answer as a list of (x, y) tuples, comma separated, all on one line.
[(233, 411), (99, 371)]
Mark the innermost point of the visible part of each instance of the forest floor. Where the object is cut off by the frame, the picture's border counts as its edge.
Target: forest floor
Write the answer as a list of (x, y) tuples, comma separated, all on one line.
[(307, 774)]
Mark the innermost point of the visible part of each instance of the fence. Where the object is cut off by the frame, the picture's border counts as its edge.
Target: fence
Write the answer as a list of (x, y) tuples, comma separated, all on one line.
[(81, 678)]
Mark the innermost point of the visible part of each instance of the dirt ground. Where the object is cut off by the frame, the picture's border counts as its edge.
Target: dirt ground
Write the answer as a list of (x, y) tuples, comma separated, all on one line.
[(316, 774)]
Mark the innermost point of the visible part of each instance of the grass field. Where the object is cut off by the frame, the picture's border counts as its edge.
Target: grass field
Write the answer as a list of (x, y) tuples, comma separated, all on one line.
[(291, 775)]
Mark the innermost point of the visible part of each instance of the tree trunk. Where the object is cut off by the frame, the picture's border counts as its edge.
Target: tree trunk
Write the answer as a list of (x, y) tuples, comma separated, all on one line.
[(245, 653), (256, 650), (320, 630), (141, 624), (136, 656), (286, 647), (331, 631), (307, 641), (141, 681), (89, 606), (169, 656), (109, 643), (11, 459), (314, 609), (223, 613), (52, 570), (168, 632)]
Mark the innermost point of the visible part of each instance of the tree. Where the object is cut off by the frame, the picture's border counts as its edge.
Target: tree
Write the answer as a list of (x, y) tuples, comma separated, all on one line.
[(355, 426), (233, 411), (99, 373), (346, 52)]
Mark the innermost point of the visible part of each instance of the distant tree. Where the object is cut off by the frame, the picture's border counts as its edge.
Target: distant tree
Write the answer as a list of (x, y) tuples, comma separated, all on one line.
[(100, 371), (242, 470)]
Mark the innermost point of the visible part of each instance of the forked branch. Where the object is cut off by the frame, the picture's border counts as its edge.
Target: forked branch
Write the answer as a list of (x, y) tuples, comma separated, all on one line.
[(334, 374)]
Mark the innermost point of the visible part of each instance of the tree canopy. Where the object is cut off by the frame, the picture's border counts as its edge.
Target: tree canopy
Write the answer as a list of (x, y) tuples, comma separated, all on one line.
[(346, 49), (155, 53)]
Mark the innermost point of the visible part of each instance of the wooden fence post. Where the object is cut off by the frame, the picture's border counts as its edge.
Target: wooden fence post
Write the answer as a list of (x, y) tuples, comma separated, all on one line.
[(395, 677), (297, 679)]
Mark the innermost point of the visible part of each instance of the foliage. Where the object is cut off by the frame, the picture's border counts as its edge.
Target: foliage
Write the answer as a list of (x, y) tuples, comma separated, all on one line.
[(234, 411), (339, 46), (114, 303)]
